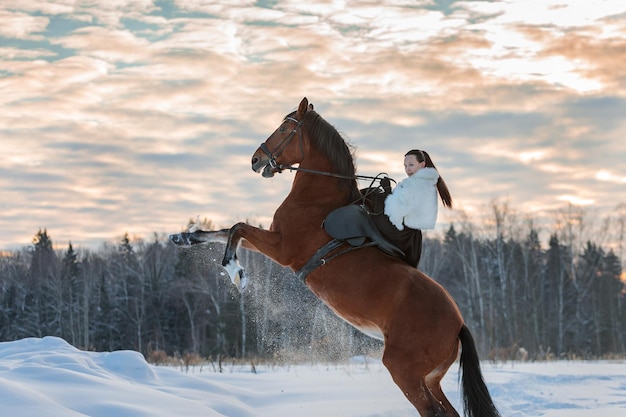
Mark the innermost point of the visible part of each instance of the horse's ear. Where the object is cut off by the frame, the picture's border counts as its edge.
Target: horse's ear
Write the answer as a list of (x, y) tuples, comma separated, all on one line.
[(302, 108)]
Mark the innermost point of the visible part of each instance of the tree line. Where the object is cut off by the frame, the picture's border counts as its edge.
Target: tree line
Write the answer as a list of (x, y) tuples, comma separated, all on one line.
[(520, 299)]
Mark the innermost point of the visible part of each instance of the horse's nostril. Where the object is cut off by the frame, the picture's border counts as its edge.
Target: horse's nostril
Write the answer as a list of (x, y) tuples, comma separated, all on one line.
[(255, 160)]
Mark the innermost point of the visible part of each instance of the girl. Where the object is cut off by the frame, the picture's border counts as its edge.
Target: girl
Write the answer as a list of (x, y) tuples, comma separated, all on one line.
[(412, 206)]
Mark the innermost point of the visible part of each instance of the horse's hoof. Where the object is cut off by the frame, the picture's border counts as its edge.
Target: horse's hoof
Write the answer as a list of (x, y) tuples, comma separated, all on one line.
[(243, 280), (180, 239), (236, 274)]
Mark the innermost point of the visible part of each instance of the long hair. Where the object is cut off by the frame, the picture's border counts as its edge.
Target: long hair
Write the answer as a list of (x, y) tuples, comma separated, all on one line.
[(442, 188)]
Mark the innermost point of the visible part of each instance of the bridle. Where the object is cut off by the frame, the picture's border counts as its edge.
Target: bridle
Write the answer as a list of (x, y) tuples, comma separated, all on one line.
[(285, 142)]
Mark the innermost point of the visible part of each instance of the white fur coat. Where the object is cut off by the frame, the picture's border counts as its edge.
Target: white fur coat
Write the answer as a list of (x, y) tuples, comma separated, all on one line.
[(413, 203)]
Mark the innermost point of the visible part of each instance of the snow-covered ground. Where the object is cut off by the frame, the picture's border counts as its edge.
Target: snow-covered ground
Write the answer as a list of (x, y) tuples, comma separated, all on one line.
[(48, 377)]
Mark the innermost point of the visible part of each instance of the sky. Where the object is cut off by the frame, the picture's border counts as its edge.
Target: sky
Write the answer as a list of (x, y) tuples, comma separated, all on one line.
[(46, 377), (135, 116)]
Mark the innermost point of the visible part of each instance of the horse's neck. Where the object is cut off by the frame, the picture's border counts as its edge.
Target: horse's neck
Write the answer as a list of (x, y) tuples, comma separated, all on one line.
[(318, 189)]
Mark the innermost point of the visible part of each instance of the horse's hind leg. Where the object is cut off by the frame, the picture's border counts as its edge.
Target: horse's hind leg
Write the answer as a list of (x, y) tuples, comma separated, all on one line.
[(409, 373), (433, 381)]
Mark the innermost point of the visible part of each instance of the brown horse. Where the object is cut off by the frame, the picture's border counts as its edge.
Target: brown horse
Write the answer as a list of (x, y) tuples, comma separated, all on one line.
[(381, 295)]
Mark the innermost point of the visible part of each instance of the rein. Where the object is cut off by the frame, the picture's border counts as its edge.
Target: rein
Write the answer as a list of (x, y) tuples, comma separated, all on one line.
[(282, 167), (369, 189)]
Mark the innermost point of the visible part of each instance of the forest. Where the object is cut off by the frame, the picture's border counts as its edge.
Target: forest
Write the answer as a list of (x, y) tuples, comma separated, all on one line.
[(522, 299)]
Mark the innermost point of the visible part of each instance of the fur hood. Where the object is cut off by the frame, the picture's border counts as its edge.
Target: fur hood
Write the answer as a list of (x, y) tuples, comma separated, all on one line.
[(413, 203)]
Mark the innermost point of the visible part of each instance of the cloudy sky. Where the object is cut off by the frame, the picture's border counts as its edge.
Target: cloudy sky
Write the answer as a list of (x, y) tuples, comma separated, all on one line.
[(135, 116)]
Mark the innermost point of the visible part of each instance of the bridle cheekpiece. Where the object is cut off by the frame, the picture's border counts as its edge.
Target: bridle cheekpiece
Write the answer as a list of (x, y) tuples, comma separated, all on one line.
[(282, 145)]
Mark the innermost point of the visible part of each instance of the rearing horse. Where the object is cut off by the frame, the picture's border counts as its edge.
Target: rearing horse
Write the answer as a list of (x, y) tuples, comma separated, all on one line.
[(378, 294)]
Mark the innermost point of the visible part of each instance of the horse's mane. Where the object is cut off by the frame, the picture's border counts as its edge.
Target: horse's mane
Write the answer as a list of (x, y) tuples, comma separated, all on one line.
[(330, 143)]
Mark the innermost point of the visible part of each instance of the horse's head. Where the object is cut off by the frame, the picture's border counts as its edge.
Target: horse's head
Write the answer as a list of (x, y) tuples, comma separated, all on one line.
[(284, 147)]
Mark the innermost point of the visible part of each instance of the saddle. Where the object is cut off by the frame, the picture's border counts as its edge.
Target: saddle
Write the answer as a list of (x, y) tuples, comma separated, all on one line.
[(353, 225)]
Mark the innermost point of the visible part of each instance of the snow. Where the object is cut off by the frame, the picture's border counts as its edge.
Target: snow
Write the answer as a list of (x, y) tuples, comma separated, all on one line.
[(46, 377)]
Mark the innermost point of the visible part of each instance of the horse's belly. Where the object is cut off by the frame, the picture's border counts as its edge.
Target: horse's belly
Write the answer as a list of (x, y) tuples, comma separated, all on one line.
[(371, 331)]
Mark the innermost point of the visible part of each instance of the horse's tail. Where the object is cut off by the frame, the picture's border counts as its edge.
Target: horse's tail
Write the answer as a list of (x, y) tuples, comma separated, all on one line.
[(476, 398)]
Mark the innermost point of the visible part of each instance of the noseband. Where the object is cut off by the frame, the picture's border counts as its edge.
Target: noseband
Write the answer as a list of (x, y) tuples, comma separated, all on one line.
[(283, 144)]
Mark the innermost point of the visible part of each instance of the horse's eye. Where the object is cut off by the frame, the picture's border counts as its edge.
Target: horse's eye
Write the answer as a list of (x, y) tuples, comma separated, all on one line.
[(281, 129)]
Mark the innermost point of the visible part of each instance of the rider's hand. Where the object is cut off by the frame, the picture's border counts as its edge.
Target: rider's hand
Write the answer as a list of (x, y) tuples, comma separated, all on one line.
[(386, 184)]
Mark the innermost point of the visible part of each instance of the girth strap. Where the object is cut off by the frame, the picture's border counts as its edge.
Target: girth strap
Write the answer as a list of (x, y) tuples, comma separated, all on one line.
[(319, 257)]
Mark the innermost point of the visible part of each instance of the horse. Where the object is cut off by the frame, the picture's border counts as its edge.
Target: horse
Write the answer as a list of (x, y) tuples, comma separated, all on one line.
[(381, 295)]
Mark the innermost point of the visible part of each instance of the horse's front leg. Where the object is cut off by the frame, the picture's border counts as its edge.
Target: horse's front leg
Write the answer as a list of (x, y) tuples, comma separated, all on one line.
[(261, 240), (227, 236), (250, 237), (200, 236)]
